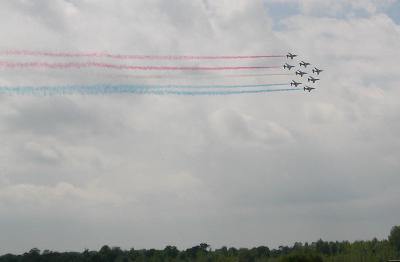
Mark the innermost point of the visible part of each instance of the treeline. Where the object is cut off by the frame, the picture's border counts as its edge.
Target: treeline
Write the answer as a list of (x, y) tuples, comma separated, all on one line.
[(365, 251)]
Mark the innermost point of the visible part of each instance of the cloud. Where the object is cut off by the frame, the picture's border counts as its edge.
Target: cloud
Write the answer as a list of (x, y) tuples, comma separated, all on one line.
[(240, 129)]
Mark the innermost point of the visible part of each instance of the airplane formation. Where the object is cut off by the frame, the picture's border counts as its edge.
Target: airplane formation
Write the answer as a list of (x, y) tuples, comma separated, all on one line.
[(300, 73)]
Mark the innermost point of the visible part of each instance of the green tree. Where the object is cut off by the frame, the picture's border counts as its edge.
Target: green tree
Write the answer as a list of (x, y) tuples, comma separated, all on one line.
[(394, 238), (171, 251), (204, 246), (262, 251), (108, 254), (33, 255), (245, 255), (302, 258)]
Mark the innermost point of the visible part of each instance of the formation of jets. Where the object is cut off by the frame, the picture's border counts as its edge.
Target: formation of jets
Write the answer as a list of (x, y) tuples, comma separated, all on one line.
[(301, 73)]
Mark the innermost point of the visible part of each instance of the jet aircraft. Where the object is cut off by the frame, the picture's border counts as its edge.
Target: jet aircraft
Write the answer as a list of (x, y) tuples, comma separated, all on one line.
[(294, 83), (288, 66), (305, 64), (307, 88), (312, 79), (291, 56), (316, 70), (301, 73)]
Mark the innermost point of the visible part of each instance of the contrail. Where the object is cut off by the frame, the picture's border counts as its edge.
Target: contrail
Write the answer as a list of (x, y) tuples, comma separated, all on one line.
[(6, 64), (128, 89), (126, 57)]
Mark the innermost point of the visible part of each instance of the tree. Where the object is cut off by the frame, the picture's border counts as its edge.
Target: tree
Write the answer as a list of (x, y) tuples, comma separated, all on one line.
[(108, 254), (322, 247), (302, 258), (204, 246), (171, 251), (34, 251), (32, 255), (262, 251), (105, 250), (245, 255), (394, 237)]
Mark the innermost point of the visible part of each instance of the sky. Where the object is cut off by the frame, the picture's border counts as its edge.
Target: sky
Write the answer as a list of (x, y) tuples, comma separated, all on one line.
[(146, 171)]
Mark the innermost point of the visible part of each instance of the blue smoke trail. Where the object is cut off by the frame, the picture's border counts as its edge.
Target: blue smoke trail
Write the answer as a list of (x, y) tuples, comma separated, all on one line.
[(135, 86), (211, 86), (130, 89)]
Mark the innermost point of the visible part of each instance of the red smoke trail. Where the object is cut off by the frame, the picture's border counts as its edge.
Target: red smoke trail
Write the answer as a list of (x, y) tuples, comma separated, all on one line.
[(144, 57), (194, 76), (124, 67), (253, 75)]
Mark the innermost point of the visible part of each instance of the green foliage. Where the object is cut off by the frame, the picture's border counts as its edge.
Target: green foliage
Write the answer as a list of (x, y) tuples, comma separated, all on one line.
[(394, 238), (302, 258), (366, 251)]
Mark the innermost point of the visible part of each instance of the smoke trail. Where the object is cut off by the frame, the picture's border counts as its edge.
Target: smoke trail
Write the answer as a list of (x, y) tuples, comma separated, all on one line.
[(181, 86), (124, 67), (209, 86), (253, 75), (104, 89), (195, 76), (143, 86), (142, 57)]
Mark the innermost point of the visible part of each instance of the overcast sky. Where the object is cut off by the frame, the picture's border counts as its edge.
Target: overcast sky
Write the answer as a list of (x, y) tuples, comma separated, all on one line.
[(148, 171)]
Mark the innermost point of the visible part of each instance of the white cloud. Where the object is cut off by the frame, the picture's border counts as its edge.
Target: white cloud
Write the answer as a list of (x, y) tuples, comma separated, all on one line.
[(235, 128)]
